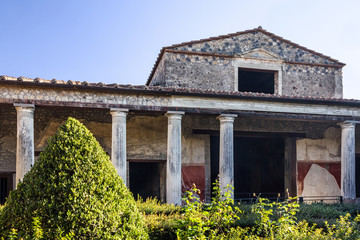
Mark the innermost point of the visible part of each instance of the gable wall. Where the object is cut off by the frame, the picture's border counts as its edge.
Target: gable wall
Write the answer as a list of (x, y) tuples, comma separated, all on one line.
[(241, 44), (219, 73)]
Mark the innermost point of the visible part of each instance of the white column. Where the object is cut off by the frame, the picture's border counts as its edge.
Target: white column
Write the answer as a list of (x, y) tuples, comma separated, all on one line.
[(348, 187), (173, 164), (25, 139), (118, 141), (226, 157)]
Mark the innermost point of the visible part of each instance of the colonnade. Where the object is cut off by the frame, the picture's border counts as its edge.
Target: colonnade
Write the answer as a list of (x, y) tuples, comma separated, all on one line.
[(25, 150)]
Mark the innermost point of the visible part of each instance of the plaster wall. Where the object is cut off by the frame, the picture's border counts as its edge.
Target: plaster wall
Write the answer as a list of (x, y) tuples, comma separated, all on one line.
[(7, 139), (319, 164)]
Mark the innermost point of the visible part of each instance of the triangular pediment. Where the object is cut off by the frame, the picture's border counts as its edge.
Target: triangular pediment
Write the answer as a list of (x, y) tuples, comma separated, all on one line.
[(256, 43), (261, 54)]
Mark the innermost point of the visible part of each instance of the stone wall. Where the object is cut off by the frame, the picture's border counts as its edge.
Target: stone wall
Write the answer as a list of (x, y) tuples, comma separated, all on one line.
[(314, 81), (204, 72), (244, 43), (219, 73), (159, 75)]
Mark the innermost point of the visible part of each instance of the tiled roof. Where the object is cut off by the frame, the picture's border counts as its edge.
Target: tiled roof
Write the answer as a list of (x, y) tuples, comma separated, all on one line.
[(259, 29), (174, 91)]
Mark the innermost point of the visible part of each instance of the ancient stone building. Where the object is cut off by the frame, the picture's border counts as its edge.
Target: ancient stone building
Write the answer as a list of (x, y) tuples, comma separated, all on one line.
[(263, 113)]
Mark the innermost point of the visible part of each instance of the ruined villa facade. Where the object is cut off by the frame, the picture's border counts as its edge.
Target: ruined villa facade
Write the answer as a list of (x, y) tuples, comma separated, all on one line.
[(256, 110)]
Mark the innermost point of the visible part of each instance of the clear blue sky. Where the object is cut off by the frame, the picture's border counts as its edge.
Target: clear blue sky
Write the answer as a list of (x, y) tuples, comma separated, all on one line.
[(118, 41)]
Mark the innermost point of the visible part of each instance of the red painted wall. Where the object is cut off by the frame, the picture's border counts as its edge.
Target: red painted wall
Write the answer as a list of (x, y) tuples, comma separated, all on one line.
[(193, 175), (304, 167)]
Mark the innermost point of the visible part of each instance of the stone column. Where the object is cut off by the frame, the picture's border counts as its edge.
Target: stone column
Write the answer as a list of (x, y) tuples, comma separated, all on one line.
[(348, 187), (25, 139), (226, 157), (118, 141), (173, 164)]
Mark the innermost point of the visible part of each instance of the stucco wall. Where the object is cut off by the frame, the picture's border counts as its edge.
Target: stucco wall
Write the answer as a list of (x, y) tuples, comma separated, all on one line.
[(7, 139), (319, 164)]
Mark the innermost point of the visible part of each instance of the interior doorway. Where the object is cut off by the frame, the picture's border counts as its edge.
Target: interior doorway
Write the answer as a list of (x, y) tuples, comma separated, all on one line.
[(258, 165), (146, 179), (357, 174), (6, 185)]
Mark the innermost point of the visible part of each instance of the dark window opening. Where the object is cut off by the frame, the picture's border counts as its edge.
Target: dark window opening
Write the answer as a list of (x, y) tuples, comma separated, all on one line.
[(6, 182), (251, 80), (145, 179)]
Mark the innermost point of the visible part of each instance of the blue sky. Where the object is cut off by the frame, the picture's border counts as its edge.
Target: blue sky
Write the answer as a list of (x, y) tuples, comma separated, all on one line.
[(118, 41)]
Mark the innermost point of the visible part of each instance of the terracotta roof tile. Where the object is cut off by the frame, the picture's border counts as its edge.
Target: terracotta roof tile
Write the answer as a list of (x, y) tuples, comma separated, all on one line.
[(171, 90)]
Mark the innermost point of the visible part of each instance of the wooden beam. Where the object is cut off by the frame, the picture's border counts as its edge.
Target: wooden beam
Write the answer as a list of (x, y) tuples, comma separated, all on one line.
[(252, 134)]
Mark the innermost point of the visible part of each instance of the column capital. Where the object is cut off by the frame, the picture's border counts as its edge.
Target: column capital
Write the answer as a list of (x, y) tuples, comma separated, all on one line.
[(226, 117), (119, 112), (347, 124), (174, 114), (21, 107)]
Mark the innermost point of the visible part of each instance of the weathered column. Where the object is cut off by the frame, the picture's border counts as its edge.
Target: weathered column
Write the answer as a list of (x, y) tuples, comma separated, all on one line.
[(348, 188), (173, 164), (118, 141), (25, 139), (226, 157)]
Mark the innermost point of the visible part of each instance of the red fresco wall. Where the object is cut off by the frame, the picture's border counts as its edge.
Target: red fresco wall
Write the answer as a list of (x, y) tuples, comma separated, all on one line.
[(196, 175), (304, 167)]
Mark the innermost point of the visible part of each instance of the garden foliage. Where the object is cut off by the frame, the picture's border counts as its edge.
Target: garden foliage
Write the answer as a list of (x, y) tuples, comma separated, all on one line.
[(72, 191)]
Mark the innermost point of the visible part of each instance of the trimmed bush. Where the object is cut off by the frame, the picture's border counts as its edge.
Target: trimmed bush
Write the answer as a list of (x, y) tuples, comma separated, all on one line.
[(73, 190)]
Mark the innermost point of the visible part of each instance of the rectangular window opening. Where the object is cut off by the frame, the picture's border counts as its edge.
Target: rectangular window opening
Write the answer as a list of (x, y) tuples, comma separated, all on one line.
[(256, 80)]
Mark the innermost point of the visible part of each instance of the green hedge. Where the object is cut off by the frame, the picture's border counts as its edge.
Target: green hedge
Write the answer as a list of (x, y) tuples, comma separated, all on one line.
[(72, 191)]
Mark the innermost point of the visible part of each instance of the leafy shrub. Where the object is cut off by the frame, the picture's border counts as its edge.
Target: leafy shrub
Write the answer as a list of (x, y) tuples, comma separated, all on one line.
[(72, 190), (154, 206), (262, 220), (161, 219), (206, 221), (273, 215)]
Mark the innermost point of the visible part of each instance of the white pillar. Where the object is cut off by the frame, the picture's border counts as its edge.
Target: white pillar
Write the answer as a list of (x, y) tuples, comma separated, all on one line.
[(25, 139), (118, 141), (173, 164), (226, 157), (348, 187)]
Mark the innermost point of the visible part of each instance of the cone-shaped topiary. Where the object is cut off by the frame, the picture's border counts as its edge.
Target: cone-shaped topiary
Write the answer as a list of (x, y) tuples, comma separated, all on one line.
[(74, 190)]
